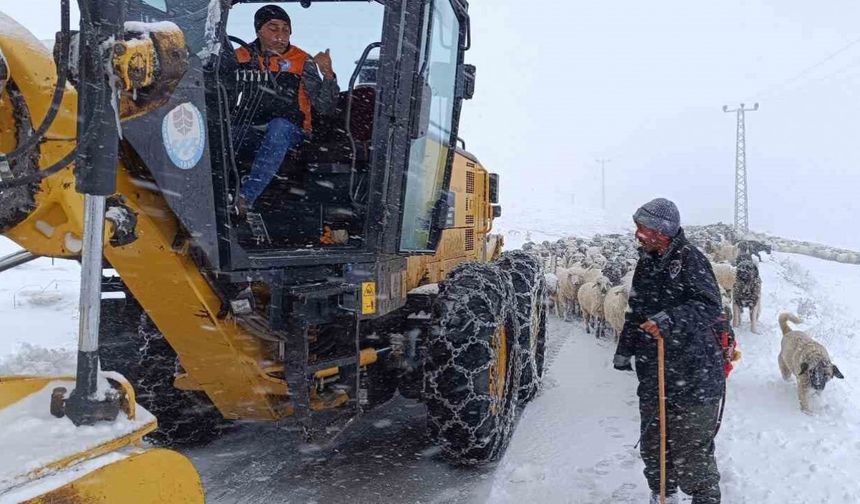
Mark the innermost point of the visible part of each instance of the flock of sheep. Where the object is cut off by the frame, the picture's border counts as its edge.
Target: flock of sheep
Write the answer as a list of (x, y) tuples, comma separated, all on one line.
[(592, 277)]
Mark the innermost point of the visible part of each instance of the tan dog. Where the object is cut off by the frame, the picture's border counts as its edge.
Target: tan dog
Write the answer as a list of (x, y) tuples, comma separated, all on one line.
[(806, 359)]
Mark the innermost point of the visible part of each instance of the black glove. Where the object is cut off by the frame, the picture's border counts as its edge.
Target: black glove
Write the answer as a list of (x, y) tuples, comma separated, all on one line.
[(622, 363)]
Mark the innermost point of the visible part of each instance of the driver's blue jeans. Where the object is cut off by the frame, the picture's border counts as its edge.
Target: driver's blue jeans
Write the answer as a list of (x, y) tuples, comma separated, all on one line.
[(281, 136)]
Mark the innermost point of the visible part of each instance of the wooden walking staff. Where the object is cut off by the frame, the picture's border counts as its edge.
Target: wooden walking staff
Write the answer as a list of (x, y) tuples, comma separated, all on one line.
[(651, 328), (661, 390)]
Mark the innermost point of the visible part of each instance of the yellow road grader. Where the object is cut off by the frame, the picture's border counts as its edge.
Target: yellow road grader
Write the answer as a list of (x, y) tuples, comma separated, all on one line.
[(368, 268)]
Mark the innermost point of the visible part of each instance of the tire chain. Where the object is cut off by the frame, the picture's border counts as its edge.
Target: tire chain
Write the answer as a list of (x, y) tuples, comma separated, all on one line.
[(172, 429), (530, 291), (489, 289), (149, 363)]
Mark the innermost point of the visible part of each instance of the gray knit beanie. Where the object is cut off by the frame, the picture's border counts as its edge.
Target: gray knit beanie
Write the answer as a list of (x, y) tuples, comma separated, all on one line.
[(659, 214)]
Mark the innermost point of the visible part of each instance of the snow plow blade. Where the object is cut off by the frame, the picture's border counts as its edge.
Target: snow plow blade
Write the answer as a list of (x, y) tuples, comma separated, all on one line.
[(50, 460)]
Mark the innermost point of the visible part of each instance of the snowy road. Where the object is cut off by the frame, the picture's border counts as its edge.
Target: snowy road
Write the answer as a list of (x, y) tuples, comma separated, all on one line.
[(385, 457)]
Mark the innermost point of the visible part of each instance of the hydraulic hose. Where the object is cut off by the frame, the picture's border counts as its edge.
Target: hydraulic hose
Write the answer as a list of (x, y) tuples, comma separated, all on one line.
[(59, 89), (39, 175)]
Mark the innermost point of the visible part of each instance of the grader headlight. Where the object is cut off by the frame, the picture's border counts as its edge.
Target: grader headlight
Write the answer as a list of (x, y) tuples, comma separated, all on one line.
[(134, 63)]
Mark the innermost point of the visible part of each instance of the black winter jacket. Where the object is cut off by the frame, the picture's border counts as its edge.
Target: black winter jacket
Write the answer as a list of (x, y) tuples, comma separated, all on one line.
[(679, 292)]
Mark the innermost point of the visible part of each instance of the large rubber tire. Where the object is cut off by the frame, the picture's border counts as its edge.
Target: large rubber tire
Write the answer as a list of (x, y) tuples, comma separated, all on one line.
[(473, 367), (530, 294), (130, 344)]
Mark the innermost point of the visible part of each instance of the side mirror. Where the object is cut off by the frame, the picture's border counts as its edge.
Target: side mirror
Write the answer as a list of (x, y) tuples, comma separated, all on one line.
[(497, 211), (467, 82), (494, 188)]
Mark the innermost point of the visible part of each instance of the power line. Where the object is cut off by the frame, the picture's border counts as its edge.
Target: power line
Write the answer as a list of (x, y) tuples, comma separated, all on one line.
[(805, 71)]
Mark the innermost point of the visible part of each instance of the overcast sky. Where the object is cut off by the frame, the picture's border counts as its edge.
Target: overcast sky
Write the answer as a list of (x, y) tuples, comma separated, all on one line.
[(642, 84)]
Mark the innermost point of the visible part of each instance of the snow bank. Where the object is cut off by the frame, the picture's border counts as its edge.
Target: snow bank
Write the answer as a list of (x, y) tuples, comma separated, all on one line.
[(768, 450), (35, 360)]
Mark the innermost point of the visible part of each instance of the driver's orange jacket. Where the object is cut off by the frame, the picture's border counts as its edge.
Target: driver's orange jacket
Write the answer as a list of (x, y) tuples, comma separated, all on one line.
[(288, 70)]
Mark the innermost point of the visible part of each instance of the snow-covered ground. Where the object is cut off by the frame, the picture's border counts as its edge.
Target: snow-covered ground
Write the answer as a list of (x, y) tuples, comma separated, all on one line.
[(573, 444), (38, 306)]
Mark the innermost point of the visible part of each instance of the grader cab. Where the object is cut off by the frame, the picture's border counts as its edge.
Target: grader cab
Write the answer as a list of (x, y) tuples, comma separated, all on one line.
[(367, 268)]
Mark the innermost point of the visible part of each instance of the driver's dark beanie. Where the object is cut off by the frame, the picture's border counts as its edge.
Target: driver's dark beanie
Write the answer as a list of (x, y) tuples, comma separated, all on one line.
[(659, 214), (267, 13)]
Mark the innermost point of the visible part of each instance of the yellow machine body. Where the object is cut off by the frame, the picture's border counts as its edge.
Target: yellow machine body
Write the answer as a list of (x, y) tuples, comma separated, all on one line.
[(219, 358), (151, 476), (467, 234)]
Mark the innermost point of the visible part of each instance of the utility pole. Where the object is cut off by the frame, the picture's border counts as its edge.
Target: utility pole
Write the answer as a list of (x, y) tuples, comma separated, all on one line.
[(603, 181), (742, 221)]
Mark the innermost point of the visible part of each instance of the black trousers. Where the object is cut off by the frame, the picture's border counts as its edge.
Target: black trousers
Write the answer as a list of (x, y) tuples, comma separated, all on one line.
[(690, 462)]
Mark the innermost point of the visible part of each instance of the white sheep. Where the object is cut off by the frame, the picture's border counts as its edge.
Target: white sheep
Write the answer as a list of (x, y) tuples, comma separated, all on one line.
[(627, 281), (573, 258), (599, 261), (590, 297), (589, 274), (551, 282), (593, 251), (568, 285), (614, 308)]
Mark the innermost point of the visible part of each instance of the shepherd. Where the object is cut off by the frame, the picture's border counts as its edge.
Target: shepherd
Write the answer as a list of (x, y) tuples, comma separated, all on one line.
[(669, 332)]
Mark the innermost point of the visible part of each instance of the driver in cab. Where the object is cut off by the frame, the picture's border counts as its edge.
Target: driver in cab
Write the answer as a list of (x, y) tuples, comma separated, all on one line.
[(285, 113)]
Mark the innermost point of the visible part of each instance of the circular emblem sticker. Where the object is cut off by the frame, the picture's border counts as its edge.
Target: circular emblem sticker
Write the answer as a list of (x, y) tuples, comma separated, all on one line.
[(183, 135)]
